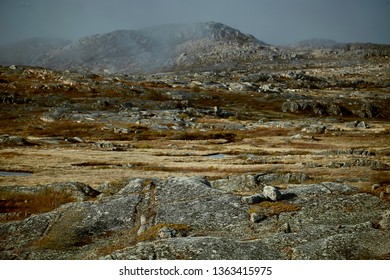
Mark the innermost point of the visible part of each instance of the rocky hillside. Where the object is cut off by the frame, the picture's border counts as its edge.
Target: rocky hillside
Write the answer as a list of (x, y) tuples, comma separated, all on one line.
[(151, 49), (172, 47)]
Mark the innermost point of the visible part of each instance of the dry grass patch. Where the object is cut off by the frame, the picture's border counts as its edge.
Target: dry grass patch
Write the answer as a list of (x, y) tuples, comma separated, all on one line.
[(269, 208), (64, 128), (21, 206)]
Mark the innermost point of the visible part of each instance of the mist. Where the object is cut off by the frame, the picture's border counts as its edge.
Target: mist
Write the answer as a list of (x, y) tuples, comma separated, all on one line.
[(277, 22)]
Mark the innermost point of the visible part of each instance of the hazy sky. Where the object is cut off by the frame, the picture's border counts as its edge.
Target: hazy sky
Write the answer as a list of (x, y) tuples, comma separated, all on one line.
[(273, 21)]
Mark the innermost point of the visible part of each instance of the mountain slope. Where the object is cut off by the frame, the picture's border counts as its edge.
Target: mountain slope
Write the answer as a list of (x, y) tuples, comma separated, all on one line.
[(160, 48), (157, 48)]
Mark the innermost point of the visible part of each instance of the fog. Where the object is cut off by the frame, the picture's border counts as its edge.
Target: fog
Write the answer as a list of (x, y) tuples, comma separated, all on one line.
[(273, 21)]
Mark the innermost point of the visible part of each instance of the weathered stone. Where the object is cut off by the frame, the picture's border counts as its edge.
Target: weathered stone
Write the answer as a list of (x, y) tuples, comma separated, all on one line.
[(352, 124), (253, 199), (167, 232), (287, 178), (362, 124), (348, 246), (238, 183), (133, 186), (322, 228), (6, 140), (319, 129), (272, 193), (200, 205), (285, 228), (197, 248), (385, 221), (257, 218)]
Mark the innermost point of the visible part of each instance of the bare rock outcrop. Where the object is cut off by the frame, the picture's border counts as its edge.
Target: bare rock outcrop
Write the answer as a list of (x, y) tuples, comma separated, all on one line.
[(186, 218)]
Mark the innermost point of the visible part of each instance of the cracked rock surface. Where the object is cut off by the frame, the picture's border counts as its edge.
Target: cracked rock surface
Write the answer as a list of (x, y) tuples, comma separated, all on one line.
[(186, 218)]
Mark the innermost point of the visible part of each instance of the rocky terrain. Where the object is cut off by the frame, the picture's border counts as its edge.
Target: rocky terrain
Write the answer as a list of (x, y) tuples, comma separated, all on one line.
[(224, 148)]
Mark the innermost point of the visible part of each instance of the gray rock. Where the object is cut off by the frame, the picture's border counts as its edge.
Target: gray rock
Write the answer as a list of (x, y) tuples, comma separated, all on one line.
[(269, 88), (120, 130), (253, 199), (323, 221), (272, 193), (167, 232), (362, 124), (190, 201), (319, 129), (6, 140), (285, 228), (133, 186), (240, 87), (257, 218), (198, 248), (385, 222), (349, 246), (238, 183), (288, 178), (352, 124)]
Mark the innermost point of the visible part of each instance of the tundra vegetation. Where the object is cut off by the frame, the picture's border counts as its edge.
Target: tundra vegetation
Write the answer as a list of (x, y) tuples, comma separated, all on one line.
[(229, 149)]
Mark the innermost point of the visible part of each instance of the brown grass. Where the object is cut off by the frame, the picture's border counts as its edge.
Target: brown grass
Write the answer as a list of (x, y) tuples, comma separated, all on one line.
[(199, 135), (64, 128), (24, 205), (379, 192), (269, 208), (380, 177)]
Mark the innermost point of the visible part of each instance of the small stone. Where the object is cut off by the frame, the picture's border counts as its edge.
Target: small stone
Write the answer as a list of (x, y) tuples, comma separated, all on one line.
[(285, 228), (167, 232), (296, 137), (352, 124), (385, 222), (387, 190), (78, 139), (362, 124), (375, 187), (382, 195), (253, 199), (256, 217), (272, 193)]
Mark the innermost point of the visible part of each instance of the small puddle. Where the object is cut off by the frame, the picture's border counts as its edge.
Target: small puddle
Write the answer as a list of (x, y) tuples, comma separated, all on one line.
[(12, 173), (216, 156)]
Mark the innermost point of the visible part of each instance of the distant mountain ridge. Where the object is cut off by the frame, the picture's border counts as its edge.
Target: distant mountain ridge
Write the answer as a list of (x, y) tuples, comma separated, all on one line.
[(165, 48), (153, 48), (147, 49), (316, 43)]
